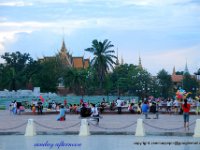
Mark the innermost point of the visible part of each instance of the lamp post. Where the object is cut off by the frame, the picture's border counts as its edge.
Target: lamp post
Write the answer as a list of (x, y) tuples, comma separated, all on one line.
[(139, 93), (81, 92), (194, 91)]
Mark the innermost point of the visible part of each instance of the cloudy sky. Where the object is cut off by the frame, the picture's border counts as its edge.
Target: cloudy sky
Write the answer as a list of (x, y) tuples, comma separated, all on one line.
[(165, 33)]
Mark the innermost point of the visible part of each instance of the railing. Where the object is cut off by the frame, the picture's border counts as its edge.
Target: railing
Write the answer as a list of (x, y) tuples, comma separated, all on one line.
[(56, 128)]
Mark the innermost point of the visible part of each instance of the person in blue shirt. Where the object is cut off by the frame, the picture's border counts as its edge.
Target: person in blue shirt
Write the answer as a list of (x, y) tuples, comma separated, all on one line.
[(61, 116), (145, 109)]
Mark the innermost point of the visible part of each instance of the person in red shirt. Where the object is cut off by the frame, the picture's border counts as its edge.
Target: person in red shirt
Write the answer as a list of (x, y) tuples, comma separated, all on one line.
[(186, 110)]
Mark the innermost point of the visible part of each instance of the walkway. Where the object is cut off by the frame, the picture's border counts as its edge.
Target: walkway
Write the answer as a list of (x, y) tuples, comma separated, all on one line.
[(109, 124), (114, 132)]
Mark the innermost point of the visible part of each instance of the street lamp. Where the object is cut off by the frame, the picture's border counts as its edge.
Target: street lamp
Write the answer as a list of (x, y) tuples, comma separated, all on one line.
[(81, 92), (194, 90)]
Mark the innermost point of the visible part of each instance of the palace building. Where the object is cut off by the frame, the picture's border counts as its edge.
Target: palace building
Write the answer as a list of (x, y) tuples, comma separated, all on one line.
[(69, 60)]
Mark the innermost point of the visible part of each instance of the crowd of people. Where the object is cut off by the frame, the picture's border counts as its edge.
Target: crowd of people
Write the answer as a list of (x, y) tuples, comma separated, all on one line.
[(16, 107), (169, 105), (86, 109)]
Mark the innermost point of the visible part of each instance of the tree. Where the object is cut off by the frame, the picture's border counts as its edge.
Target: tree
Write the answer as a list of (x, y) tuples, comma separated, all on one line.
[(165, 83), (122, 78), (179, 72), (131, 80), (75, 79), (5, 77), (49, 71), (15, 65), (190, 84), (143, 82), (103, 58)]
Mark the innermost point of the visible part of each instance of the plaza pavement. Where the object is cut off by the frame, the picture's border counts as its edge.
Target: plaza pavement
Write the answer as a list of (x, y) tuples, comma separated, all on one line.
[(109, 124)]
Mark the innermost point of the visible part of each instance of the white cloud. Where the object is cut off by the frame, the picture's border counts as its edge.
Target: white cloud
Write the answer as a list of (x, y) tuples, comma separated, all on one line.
[(150, 16), (8, 37), (16, 3), (30, 24), (155, 61), (153, 2), (3, 18)]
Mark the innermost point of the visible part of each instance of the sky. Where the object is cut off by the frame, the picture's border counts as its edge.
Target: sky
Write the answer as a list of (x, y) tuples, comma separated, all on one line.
[(164, 33)]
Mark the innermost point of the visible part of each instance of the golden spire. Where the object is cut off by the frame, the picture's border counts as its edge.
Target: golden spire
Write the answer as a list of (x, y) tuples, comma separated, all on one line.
[(140, 62), (122, 60)]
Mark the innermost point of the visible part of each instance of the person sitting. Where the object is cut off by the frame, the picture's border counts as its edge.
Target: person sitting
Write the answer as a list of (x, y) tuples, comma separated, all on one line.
[(85, 112), (74, 108), (131, 108), (61, 116), (21, 109), (95, 113), (70, 108), (33, 108), (112, 105), (102, 105)]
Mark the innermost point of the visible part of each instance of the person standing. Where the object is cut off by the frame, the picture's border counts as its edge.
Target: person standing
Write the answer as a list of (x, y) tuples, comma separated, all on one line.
[(15, 107), (119, 105), (186, 110), (154, 109), (169, 105), (145, 109), (198, 107), (176, 106), (40, 107)]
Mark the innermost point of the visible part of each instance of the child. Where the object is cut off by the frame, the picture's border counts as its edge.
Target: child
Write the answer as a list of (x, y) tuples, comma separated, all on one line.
[(33, 109)]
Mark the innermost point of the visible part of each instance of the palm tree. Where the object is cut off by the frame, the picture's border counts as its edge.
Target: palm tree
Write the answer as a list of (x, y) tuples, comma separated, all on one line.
[(103, 58), (75, 79)]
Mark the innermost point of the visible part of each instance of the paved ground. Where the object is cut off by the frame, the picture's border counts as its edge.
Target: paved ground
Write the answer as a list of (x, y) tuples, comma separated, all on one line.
[(114, 132), (109, 124)]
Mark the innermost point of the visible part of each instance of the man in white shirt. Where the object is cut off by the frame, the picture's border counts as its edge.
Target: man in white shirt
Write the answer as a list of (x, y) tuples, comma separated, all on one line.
[(119, 105), (176, 106), (95, 113)]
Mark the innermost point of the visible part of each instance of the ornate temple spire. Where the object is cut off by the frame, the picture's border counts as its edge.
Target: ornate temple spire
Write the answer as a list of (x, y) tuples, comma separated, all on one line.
[(122, 60), (174, 70), (186, 68), (140, 62), (64, 55), (63, 48)]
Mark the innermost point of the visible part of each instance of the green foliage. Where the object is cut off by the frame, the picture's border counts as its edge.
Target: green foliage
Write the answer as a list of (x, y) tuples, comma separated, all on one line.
[(165, 83), (131, 80), (75, 79), (47, 75), (20, 70), (103, 58), (190, 84), (13, 74), (179, 72)]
